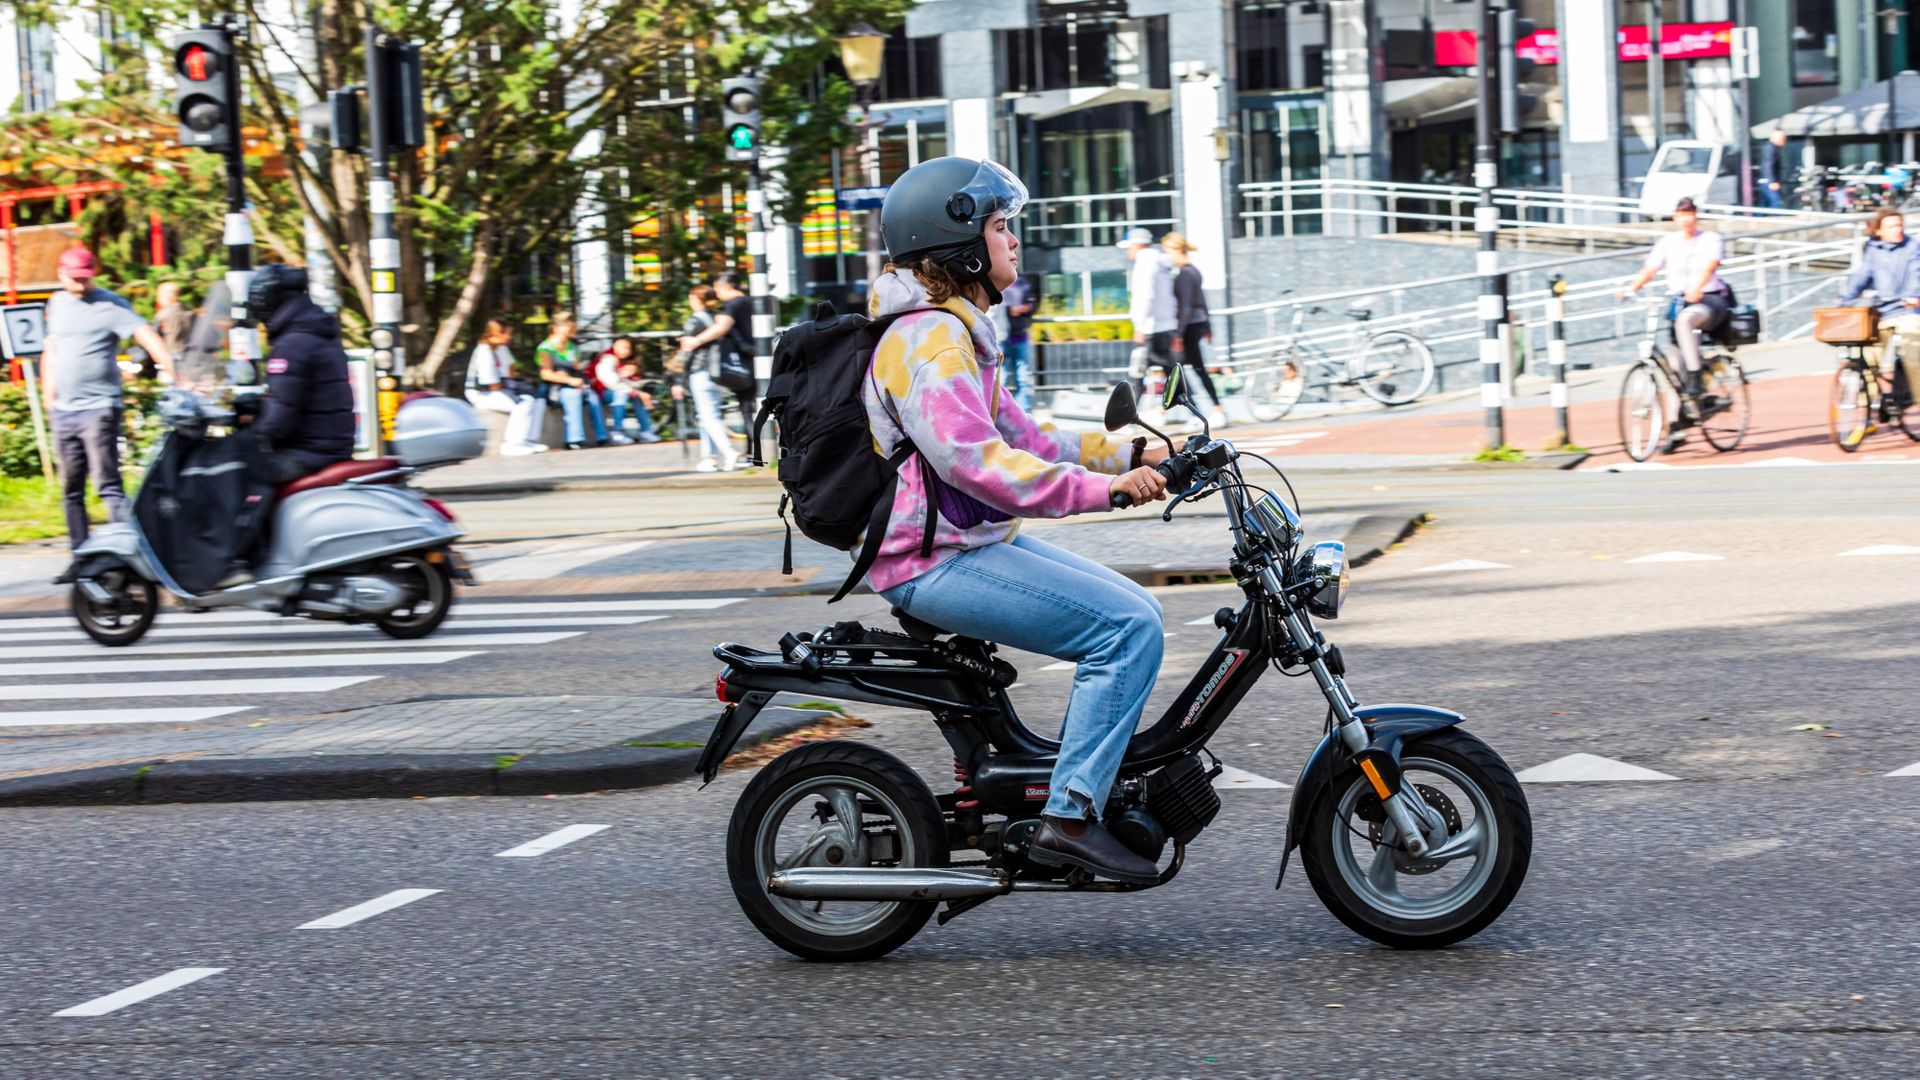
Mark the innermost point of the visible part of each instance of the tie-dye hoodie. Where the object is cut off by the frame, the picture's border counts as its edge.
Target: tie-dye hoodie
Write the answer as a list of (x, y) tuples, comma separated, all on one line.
[(931, 377)]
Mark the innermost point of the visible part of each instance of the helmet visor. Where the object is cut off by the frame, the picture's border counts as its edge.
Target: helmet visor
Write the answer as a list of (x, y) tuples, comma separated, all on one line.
[(993, 190)]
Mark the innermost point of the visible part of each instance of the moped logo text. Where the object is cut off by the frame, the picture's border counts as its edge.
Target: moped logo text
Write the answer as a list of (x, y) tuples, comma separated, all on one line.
[(1234, 657)]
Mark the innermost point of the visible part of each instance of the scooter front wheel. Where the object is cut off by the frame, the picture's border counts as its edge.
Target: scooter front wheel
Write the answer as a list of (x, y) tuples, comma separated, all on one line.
[(123, 618), (433, 598)]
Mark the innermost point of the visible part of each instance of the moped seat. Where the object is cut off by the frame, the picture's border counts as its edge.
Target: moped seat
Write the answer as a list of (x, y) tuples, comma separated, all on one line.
[(919, 629), (338, 473)]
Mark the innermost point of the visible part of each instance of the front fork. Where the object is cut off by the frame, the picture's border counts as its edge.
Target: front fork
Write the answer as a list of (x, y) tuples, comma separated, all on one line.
[(1411, 816)]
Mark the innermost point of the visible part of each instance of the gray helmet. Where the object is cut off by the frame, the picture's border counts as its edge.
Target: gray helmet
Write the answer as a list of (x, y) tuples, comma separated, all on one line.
[(944, 204)]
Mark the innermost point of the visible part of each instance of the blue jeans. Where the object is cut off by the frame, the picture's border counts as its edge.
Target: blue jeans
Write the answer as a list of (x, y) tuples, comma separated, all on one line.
[(1019, 372), (617, 406), (1768, 197), (1028, 594), (573, 401)]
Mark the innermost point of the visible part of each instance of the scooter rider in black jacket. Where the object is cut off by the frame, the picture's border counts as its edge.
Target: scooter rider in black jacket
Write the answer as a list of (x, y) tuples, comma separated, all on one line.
[(305, 422)]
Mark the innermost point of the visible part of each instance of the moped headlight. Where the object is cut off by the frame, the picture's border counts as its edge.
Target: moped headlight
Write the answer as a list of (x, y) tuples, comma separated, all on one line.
[(1325, 572)]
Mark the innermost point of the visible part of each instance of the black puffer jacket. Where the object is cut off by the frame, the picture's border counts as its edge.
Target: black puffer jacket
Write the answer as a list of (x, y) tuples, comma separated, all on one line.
[(308, 414)]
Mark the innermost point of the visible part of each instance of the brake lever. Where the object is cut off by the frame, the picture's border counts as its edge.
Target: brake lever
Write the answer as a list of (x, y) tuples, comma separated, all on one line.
[(1193, 492)]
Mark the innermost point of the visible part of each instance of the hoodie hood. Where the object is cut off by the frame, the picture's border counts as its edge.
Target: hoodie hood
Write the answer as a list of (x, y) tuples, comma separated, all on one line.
[(300, 315), (898, 291)]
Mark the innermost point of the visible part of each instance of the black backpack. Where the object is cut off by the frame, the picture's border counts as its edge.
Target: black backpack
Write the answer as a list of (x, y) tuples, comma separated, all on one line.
[(837, 486)]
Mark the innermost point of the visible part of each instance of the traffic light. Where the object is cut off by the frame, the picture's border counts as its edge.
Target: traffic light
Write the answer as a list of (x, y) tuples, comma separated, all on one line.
[(740, 117), (1514, 70), (206, 89), (396, 111)]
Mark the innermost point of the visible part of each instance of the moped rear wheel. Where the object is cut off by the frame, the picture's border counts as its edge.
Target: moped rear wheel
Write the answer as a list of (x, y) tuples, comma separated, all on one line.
[(833, 804), (1379, 891), (125, 618), (433, 598)]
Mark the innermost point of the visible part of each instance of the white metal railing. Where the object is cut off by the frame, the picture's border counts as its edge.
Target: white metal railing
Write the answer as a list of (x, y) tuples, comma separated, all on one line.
[(1095, 220)]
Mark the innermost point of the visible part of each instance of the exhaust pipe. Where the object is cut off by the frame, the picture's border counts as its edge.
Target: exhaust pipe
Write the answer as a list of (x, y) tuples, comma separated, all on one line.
[(886, 883)]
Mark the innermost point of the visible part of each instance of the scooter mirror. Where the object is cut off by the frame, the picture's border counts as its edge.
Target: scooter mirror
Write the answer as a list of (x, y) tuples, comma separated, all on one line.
[(1121, 408)]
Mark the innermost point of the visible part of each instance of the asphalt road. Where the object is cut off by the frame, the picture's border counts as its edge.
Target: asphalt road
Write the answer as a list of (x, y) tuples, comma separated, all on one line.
[(1753, 917)]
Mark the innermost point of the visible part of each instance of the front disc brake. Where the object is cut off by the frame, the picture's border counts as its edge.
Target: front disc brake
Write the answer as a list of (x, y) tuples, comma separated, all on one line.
[(1404, 863)]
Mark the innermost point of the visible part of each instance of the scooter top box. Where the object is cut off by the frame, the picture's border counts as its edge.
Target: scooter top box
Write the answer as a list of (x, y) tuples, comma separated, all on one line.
[(438, 431)]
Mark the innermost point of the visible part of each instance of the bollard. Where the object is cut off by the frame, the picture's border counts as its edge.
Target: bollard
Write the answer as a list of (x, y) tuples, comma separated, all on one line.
[(1557, 359)]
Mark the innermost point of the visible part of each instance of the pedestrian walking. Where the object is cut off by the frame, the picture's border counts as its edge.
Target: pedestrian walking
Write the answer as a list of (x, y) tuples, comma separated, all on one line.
[(1771, 189), (700, 363), (1190, 311), (1017, 345), (492, 386), (560, 369), (80, 374), (617, 373), (1150, 303), (736, 307)]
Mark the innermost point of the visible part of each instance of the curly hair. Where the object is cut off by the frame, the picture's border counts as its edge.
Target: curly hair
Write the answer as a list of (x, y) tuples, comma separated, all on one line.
[(938, 280)]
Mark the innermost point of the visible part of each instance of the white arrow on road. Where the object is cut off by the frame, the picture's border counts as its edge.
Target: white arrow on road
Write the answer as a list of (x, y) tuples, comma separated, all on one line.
[(1882, 549), (1911, 770), (1232, 779), (1463, 564), (1583, 768)]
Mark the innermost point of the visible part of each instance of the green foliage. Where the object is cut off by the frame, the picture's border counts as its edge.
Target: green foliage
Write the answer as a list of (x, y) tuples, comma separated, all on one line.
[(18, 457), (1502, 452)]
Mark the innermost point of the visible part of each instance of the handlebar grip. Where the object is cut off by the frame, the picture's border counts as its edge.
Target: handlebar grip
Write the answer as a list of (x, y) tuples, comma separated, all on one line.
[(1120, 500)]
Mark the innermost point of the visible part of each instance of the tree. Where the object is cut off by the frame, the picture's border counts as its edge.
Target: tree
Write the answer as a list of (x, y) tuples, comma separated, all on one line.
[(527, 116)]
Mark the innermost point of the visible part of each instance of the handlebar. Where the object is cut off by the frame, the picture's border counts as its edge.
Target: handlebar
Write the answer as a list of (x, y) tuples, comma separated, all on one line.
[(1178, 468)]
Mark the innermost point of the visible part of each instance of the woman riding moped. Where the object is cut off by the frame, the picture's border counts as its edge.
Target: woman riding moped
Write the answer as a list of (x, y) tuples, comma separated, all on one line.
[(936, 381)]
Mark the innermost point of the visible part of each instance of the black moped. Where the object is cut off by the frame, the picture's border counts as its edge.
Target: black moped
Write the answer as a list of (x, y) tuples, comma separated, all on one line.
[(1413, 832)]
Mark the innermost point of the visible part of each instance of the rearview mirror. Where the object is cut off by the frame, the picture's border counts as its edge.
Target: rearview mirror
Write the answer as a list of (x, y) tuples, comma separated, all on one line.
[(1121, 408)]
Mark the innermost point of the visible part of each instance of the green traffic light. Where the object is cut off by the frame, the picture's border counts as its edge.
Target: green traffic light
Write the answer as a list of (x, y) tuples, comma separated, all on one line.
[(740, 137)]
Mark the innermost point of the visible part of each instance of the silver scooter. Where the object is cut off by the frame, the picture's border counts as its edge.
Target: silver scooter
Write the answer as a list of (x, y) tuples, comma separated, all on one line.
[(353, 543)]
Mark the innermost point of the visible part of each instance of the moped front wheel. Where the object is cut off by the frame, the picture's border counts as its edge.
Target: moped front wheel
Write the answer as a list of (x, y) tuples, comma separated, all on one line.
[(1379, 891), (833, 804), (124, 617)]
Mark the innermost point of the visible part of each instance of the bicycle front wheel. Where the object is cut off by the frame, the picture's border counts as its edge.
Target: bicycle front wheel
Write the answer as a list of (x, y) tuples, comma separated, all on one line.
[(1274, 388), (1850, 407), (1395, 368), (1643, 411), (1726, 405)]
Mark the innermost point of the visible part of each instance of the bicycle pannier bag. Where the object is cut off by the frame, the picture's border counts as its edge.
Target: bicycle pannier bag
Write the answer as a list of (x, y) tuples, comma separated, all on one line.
[(1742, 326), (1846, 325)]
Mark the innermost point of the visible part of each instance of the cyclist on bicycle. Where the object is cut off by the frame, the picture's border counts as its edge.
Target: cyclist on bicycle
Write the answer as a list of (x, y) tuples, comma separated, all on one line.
[(1890, 268), (1700, 301)]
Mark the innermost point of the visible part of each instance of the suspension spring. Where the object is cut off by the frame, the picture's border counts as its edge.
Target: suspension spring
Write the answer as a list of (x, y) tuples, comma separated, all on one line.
[(963, 789)]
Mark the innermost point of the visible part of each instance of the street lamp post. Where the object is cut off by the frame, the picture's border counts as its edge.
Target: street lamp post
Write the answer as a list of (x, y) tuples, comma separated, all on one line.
[(863, 51)]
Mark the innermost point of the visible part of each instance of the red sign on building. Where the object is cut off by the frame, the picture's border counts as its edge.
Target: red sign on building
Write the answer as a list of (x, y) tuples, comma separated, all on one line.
[(1678, 41)]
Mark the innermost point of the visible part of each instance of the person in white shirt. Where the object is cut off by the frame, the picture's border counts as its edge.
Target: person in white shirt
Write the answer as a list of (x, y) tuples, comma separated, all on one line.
[(1690, 259), (1150, 302), (491, 386)]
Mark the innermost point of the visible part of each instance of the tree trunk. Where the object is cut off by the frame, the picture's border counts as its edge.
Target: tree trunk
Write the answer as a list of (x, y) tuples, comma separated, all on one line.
[(479, 271)]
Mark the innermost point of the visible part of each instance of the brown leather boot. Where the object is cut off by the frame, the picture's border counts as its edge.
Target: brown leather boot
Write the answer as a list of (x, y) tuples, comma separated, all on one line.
[(1090, 847)]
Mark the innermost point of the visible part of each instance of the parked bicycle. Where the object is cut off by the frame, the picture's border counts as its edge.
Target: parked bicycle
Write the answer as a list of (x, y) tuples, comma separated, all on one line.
[(1393, 367), (1865, 396), (1651, 396)]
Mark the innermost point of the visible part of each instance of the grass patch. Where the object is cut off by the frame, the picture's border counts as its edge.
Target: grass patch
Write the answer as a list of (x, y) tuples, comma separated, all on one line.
[(505, 761), (670, 744), (1502, 452), (30, 509), (820, 706)]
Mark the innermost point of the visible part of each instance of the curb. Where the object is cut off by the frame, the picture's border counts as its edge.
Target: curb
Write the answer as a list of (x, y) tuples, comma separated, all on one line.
[(388, 776)]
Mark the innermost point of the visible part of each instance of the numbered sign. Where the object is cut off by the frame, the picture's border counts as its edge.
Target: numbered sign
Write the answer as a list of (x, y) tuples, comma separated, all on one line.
[(23, 329)]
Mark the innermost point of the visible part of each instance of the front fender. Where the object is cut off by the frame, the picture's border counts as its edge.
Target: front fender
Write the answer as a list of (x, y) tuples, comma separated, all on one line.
[(1389, 727)]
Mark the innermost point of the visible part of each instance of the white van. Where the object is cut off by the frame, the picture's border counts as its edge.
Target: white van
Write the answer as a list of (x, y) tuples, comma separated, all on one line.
[(1701, 171)]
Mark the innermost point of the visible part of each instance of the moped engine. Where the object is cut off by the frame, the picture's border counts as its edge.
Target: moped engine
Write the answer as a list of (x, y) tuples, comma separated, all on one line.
[(1176, 803), (360, 594)]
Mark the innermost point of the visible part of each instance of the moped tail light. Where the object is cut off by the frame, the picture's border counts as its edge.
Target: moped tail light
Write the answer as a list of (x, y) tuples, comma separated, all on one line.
[(720, 687), (439, 508)]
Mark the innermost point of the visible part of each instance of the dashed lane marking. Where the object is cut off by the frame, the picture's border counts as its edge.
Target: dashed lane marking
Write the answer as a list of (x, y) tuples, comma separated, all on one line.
[(93, 717), (1063, 665), (1584, 768), (237, 663), (361, 912), (558, 838), (181, 688), (1677, 556), (1232, 779), (1463, 564), (139, 992)]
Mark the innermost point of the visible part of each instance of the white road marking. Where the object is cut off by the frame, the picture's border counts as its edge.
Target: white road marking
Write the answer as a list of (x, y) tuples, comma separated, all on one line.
[(1463, 564), (303, 627), (32, 652), (182, 688), (1911, 770), (1063, 665), (554, 561), (1883, 549), (90, 717), (558, 838), (139, 992), (1234, 779), (1678, 556), (567, 607), (1582, 768), (375, 906), (1204, 620), (237, 663)]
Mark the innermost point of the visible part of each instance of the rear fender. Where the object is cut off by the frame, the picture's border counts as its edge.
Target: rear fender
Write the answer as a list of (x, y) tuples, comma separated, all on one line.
[(733, 723), (1389, 728)]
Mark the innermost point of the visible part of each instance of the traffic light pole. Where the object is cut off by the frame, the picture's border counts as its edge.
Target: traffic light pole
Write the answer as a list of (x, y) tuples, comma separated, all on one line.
[(763, 314), (243, 342), (1486, 222), (383, 244)]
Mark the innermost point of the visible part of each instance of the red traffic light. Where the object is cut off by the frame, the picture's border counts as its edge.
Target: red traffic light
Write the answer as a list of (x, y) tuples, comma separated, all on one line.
[(199, 63)]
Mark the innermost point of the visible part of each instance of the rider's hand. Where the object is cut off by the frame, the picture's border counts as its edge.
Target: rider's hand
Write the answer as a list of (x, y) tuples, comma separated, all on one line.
[(646, 399), (1139, 339), (1141, 485), (1622, 294), (687, 344), (1912, 301), (1692, 296)]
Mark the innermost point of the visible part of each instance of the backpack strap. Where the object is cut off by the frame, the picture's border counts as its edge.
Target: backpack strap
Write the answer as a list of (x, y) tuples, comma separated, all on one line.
[(754, 455), (928, 478), (877, 523)]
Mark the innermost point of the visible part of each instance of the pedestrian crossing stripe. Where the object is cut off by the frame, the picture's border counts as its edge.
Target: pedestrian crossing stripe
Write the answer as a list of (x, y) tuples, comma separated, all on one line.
[(1677, 556), (1463, 564), (307, 627), (208, 688), (41, 652), (102, 717), (566, 607), (236, 663), (1586, 768)]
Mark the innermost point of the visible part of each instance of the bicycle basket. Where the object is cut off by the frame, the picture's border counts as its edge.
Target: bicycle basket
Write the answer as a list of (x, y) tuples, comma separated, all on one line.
[(1846, 325)]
